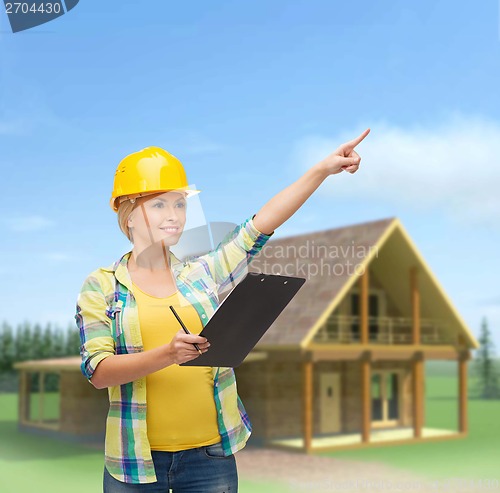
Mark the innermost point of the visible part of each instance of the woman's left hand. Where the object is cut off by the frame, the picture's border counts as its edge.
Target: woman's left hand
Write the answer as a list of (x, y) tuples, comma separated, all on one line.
[(344, 158)]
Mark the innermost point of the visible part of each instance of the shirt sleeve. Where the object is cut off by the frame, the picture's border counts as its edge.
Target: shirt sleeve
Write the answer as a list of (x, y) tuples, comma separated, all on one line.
[(230, 259), (96, 339)]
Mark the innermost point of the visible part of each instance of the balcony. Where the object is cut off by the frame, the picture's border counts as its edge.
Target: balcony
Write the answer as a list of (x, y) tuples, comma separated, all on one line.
[(346, 329)]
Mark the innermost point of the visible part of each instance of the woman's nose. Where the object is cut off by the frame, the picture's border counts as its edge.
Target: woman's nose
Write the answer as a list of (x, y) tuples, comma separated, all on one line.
[(171, 213)]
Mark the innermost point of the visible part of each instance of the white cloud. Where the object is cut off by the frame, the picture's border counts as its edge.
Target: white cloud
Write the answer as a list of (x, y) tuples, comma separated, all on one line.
[(28, 223), (452, 166)]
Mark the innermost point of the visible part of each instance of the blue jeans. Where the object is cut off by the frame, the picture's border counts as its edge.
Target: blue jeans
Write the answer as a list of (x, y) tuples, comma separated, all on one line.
[(197, 470)]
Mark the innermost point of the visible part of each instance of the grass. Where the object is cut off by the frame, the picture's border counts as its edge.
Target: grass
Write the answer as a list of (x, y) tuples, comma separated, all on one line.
[(50, 406), (29, 463), (475, 457), (59, 467)]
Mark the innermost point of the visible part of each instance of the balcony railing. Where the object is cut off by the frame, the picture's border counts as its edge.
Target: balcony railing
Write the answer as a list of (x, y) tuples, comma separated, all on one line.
[(346, 329)]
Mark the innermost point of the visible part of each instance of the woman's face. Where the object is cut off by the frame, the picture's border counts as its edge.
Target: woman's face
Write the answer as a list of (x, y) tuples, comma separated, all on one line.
[(159, 217)]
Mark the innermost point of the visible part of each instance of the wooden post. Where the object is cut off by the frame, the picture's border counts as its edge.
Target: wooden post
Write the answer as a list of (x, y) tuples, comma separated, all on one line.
[(24, 396), (418, 394), (415, 305), (462, 393), (366, 408), (41, 394), (363, 306), (307, 403)]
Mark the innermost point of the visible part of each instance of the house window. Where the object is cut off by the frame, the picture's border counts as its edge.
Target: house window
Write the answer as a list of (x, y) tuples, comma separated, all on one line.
[(332, 325), (376, 397), (373, 315), (392, 395), (355, 312), (41, 399)]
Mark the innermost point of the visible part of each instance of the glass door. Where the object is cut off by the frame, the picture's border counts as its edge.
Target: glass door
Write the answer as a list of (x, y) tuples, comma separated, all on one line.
[(385, 395)]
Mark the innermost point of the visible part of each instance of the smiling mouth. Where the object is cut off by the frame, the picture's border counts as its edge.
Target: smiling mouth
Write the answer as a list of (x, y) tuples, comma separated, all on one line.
[(170, 230)]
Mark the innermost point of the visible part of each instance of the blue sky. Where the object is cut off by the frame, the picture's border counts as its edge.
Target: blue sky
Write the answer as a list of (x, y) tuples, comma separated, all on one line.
[(249, 95)]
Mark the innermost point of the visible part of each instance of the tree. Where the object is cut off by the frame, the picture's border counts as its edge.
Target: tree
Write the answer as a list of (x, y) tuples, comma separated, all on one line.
[(72, 341), (8, 348), (47, 341), (37, 340), (24, 342), (58, 345), (488, 387), (2, 348)]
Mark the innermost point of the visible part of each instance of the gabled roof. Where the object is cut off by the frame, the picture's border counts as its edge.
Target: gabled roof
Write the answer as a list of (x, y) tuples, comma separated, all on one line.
[(331, 262)]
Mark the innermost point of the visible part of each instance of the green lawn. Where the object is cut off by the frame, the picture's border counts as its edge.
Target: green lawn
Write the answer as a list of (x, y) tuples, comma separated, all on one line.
[(475, 457), (50, 406), (29, 463)]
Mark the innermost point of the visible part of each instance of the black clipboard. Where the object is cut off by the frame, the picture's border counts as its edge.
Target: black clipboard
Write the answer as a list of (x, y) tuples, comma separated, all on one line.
[(244, 316)]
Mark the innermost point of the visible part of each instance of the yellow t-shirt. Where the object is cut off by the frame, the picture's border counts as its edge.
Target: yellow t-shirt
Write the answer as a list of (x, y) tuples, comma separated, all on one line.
[(181, 411)]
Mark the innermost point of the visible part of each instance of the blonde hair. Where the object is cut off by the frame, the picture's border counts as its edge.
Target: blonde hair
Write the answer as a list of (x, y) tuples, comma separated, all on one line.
[(124, 211), (126, 208)]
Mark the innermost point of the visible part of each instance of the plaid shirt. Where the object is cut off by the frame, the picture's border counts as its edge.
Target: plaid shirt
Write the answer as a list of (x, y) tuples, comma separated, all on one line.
[(108, 321)]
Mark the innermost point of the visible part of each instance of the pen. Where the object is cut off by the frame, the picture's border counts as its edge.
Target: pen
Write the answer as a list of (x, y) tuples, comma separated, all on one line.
[(184, 327)]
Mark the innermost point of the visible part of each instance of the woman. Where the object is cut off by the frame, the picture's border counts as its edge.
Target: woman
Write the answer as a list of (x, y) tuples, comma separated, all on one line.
[(182, 434)]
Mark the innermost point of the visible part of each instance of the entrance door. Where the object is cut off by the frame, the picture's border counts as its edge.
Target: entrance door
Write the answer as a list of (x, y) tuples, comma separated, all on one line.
[(329, 402), (385, 396)]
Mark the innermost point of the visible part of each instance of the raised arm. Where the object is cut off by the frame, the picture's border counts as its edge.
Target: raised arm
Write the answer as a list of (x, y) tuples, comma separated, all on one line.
[(283, 205)]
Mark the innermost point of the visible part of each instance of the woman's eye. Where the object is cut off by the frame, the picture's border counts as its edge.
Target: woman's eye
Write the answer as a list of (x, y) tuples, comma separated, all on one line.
[(158, 204), (181, 205)]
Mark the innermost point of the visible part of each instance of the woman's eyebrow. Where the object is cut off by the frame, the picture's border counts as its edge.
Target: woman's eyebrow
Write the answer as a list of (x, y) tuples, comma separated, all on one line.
[(177, 200)]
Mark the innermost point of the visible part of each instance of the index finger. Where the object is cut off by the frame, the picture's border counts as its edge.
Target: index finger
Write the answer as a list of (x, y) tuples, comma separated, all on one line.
[(353, 143), (193, 338)]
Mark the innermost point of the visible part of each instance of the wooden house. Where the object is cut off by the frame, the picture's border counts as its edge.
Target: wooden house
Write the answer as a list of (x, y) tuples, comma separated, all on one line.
[(76, 411), (342, 366)]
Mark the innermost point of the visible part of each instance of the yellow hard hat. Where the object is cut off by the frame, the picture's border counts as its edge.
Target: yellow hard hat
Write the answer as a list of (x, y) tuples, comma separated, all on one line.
[(151, 169)]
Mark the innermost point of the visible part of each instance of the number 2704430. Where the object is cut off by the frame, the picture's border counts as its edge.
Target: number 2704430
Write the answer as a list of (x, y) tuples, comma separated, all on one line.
[(32, 8)]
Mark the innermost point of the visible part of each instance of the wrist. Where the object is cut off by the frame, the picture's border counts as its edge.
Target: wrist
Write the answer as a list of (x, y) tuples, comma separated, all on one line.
[(321, 169), (168, 357)]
